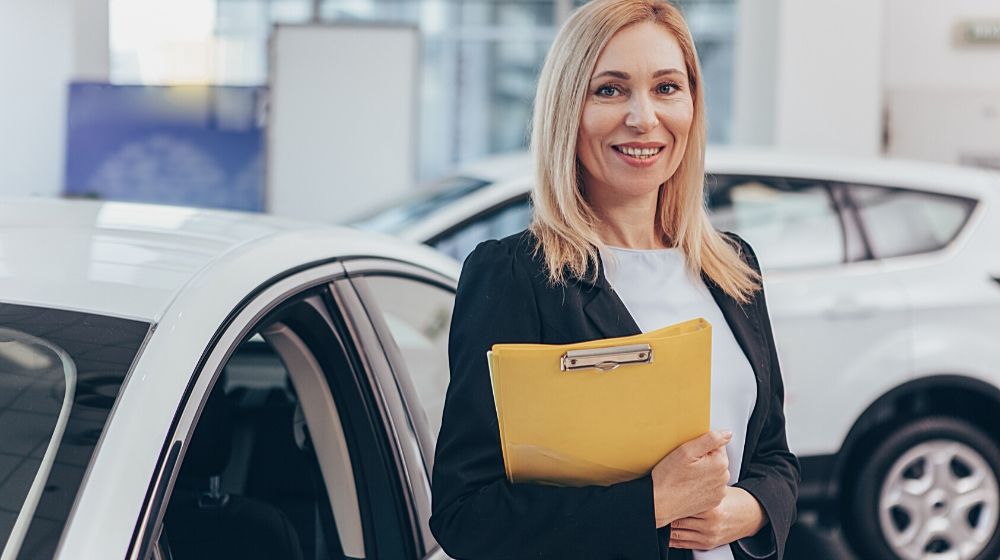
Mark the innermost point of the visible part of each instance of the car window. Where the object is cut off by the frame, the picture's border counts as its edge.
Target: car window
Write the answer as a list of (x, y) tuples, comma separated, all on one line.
[(400, 215), (60, 373), (905, 222), (791, 225), (496, 223), (418, 315)]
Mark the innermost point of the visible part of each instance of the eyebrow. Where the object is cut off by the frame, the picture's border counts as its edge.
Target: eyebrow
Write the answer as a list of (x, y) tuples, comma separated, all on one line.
[(625, 76)]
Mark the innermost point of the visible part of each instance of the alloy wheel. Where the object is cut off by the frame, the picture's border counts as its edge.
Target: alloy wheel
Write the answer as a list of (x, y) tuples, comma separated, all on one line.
[(939, 500)]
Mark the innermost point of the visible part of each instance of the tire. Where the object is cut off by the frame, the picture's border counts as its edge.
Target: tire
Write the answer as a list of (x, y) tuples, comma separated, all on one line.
[(901, 508)]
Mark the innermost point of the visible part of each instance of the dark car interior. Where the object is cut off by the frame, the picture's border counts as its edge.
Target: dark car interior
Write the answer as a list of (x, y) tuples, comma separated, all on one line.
[(249, 486)]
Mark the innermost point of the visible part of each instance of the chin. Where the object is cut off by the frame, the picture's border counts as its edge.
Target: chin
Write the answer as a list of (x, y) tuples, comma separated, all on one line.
[(637, 188)]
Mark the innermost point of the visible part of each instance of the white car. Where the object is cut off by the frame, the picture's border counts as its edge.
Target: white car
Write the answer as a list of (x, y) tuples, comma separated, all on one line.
[(883, 282), (179, 383)]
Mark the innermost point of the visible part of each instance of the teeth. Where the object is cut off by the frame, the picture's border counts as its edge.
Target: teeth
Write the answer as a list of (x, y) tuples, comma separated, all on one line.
[(638, 152)]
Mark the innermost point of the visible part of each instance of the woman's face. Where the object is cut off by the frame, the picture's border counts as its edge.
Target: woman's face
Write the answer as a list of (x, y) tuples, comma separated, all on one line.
[(637, 114)]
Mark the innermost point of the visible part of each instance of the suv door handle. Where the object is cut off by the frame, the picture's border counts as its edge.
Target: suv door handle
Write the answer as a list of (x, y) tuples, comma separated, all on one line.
[(849, 310)]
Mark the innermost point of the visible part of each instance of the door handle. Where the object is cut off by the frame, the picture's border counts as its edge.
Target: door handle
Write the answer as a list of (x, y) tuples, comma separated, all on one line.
[(849, 310)]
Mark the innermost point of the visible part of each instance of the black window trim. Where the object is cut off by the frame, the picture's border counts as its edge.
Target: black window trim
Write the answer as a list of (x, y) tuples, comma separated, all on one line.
[(853, 226), (478, 216), (387, 401), (418, 479), (365, 426)]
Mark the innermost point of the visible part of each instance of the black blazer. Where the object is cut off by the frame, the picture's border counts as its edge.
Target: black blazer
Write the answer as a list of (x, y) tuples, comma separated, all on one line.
[(503, 296)]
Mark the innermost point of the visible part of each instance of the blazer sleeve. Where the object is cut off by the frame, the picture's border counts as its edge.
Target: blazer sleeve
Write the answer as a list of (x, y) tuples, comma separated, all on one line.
[(476, 512), (772, 475)]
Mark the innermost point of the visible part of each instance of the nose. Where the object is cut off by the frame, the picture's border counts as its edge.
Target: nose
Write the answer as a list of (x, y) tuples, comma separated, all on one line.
[(641, 114)]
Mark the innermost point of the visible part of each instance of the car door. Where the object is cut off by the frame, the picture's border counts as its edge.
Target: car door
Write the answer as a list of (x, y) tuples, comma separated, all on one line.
[(841, 326), (408, 310), (286, 445)]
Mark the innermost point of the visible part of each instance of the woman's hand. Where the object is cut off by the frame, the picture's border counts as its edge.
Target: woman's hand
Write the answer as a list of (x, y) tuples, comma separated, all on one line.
[(692, 478), (739, 515)]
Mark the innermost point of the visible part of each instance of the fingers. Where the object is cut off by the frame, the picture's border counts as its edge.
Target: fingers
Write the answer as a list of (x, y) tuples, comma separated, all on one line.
[(682, 535), (709, 441), (688, 539), (697, 520), (688, 524)]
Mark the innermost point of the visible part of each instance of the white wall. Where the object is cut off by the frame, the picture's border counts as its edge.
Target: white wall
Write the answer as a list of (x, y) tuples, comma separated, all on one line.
[(943, 96), (921, 48), (35, 61), (829, 94), (868, 77)]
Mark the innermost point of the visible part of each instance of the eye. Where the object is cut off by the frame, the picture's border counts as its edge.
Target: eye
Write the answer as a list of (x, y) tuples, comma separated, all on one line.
[(608, 90), (667, 88)]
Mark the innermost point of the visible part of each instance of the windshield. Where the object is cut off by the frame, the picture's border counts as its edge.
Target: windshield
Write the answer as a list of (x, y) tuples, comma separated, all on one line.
[(400, 215), (60, 372)]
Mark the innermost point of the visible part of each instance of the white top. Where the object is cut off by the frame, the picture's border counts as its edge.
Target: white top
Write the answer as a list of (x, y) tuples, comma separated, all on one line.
[(658, 291)]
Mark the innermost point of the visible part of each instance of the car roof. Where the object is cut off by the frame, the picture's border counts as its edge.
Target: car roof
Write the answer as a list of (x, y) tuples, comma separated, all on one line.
[(499, 167), (944, 178), (921, 175), (132, 260), (511, 178)]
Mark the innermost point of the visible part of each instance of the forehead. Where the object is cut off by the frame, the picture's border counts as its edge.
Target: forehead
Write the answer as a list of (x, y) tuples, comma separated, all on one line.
[(646, 46)]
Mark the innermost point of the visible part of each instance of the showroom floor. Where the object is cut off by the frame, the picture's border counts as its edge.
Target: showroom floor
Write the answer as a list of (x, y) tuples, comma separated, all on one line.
[(817, 542)]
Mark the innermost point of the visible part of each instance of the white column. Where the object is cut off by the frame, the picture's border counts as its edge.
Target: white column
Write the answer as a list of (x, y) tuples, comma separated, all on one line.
[(829, 94), (755, 74), (91, 54)]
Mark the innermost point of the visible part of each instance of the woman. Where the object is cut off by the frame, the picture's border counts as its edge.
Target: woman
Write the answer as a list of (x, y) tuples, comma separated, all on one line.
[(620, 244)]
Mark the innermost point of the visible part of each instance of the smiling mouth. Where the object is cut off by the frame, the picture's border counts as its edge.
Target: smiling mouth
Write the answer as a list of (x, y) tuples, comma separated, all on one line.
[(638, 153)]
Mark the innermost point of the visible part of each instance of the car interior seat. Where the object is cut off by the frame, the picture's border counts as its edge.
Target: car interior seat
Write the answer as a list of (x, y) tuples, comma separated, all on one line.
[(203, 521)]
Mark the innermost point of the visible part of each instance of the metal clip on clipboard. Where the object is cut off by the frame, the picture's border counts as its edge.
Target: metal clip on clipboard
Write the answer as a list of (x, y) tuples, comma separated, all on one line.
[(606, 359)]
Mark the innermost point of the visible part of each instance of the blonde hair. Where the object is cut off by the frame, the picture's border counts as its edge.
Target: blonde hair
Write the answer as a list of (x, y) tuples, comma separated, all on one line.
[(564, 223)]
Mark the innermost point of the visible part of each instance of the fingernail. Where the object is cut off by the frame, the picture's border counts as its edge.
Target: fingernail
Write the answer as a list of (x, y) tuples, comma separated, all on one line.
[(727, 433)]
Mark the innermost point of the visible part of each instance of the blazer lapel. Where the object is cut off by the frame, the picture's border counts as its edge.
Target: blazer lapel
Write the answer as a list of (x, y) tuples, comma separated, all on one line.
[(607, 312), (605, 309), (742, 321)]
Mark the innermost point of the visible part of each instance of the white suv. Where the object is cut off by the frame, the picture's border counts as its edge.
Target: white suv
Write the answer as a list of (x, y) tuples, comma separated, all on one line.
[(883, 282)]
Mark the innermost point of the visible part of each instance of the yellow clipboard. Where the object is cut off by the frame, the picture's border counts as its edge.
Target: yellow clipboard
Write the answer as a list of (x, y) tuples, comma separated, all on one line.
[(602, 411)]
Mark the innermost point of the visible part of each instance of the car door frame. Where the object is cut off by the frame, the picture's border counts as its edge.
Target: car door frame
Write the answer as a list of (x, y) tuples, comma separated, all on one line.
[(238, 325), (406, 414)]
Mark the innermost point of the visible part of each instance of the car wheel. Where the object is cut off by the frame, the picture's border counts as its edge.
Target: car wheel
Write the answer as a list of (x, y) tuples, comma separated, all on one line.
[(928, 491)]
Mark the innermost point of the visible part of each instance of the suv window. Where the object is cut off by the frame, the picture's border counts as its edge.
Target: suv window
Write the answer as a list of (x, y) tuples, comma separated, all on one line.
[(496, 223), (905, 222), (790, 224), (60, 373)]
